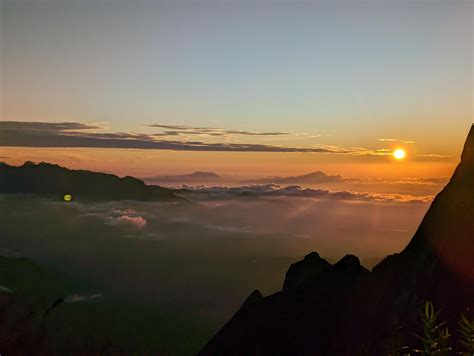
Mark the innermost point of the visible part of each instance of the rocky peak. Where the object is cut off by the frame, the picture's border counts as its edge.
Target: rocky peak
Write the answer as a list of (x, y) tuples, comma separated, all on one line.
[(349, 264), (305, 272), (467, 155), (254, 297)]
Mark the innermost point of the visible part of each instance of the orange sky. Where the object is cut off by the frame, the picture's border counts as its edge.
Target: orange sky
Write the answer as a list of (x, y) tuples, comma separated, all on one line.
[(143, 163)]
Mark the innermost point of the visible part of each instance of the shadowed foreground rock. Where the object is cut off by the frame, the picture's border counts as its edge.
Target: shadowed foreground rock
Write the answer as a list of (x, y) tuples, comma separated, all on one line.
[(343, 309)]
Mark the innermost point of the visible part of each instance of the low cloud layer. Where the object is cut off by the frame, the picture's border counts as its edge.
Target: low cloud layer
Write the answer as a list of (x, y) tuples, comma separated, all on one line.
[(403, 180), (252, 240), (271, 190)]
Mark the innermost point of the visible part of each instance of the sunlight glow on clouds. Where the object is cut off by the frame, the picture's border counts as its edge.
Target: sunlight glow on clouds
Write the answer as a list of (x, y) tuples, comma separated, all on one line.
[(136, 221), (125, 218)]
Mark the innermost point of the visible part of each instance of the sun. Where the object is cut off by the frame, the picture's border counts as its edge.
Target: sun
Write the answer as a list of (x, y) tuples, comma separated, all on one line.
[(399, 153)]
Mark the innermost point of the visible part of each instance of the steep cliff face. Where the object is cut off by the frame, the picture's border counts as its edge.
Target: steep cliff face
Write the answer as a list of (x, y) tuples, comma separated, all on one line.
[(448, 228), (343, 309)]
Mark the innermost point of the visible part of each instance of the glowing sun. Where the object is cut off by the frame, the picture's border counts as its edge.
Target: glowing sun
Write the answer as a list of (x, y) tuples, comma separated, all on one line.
[(399, 153)]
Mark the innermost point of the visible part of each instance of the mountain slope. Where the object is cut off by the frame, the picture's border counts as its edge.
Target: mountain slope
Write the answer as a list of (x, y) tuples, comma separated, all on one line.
[(343, 309), (55, 181)]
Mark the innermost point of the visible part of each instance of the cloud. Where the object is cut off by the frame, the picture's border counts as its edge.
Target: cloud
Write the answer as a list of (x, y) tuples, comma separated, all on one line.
[(73, 134), (377, 152), (45, 134), (396, 140), (46, 126), (272, 190), (236, 229), (388, 139), (404, 180), (381, 152), (137, 222), (434, 155), (212, 131), (75, 298)]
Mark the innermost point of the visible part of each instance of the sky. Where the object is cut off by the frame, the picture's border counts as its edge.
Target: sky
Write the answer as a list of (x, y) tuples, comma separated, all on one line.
[(237, 87)]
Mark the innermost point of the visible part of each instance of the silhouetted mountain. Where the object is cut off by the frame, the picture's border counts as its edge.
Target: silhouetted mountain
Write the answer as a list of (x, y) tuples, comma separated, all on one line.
[(343, 309), (310, 178), (196, 177), (303, 272), (52, 180)]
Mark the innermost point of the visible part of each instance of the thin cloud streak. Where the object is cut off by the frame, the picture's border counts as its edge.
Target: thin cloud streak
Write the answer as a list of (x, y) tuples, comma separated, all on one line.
[(396, 140), (47, 126), (211, 131), (434, 155)]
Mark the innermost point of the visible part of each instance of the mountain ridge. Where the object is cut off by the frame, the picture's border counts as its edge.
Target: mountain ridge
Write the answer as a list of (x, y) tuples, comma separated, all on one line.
[(52, 180)]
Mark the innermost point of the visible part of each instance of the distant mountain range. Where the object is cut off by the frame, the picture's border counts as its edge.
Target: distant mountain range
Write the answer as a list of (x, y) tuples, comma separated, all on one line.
[(343, 309), (210, 177), (310, 178), (52, 180), (196, 177)]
